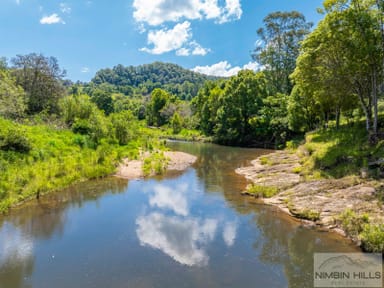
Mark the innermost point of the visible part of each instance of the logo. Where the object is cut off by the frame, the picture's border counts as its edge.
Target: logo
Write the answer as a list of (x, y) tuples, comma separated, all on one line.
[(348, 270)]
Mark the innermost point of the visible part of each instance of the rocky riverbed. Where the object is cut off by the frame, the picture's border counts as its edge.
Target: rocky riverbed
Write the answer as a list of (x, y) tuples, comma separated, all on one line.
[(321, 201)]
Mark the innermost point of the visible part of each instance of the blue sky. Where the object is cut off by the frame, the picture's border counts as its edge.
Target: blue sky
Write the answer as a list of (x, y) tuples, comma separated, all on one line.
[(210, 36)]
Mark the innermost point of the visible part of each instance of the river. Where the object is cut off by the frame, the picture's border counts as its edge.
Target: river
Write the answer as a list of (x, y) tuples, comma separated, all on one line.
[(189, 229)]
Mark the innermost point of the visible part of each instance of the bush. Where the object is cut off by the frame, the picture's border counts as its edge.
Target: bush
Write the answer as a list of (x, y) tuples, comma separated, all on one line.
[(352, 223), (372, 238), (262, 191), (14, 139)]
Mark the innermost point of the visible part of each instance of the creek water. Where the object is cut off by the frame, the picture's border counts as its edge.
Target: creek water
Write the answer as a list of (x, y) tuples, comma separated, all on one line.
[(187, 229)]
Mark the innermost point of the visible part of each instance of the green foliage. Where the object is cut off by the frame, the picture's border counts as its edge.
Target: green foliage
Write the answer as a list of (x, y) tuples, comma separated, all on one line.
[(262, 191), (40, 77), (341, 66), (52, 159), (76, 107), (13, 138), (156, 163), (103, 100), (338, 153), (145, 78), (123, 124), (352, 223), (12, 96), (159, 99), (176, 123), (307, 214), (279, 47), (372, 238)]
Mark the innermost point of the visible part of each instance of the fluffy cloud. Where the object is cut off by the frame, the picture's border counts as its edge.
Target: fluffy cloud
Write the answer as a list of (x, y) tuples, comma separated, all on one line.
[(224, 69), (51, 19), (168, 198), (229, 233), (156, 12), (176, 39), (184, 240)]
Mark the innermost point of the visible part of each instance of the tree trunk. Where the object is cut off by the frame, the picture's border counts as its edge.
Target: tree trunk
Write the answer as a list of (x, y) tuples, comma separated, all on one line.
[(338, 112)]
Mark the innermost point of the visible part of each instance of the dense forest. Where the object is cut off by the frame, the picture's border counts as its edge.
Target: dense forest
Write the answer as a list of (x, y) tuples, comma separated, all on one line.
[(144, 79), (312, 77)]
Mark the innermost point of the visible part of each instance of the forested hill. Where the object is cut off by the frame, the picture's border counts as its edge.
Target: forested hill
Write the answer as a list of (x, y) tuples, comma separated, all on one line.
[(171, 77)]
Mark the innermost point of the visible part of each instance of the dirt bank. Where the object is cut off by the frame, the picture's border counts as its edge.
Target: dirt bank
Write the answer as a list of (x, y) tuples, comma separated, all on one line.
[(321, 201), (176, 161)]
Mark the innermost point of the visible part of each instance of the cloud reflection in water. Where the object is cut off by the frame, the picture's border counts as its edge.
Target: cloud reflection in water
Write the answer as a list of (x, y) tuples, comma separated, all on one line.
[(173, 199), (182, 239)]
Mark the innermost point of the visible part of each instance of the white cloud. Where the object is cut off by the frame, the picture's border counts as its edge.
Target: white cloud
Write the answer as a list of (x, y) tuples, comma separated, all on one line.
[(85, 70), (229, 233), (17, 248), (183, 52), (65, 8), (156, 12), (174, 199), (184, 240), (176, 39), (193, 48), (18, 2), (224, 69), (51, 19), (232, 11), (198, 50), (168, 40)]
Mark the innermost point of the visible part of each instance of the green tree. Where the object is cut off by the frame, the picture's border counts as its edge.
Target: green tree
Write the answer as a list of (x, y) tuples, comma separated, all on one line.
[(176, 123), (12, 96), (41, 78), (342, 59), (241, 101), (103, 100), (279, 47), (159, 99)]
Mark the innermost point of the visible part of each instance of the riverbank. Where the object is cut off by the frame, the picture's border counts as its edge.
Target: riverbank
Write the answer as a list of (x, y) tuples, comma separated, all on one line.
[(348, 205), (158, 163)]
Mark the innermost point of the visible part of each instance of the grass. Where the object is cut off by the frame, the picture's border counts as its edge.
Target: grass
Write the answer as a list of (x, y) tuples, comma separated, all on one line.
[(360, 227), (262, 191), (264, 160), (338, 153), (156, 164), (51, 159), (307, 214)]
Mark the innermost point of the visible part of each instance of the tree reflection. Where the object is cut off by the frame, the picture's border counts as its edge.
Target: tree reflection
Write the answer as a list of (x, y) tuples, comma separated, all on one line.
[(41, 220)]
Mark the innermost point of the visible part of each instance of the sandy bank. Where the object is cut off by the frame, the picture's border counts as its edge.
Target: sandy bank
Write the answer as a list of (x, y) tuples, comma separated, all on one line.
[(176, 161), (325, 199)]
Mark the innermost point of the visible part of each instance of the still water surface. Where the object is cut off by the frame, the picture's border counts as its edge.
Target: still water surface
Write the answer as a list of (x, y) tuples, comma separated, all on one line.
[(190, 229)]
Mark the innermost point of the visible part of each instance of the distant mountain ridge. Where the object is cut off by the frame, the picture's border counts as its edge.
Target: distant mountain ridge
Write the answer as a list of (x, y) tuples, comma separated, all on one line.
[(171, 77)]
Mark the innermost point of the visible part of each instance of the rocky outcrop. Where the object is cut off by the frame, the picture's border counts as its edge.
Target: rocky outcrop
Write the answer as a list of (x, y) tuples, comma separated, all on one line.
[(321, 201)]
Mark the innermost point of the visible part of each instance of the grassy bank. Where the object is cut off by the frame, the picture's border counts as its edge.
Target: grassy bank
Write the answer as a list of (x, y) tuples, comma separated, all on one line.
[(38, 159), (346, 153)]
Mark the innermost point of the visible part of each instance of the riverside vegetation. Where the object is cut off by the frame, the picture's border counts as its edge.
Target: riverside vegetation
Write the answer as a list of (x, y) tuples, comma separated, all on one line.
[(324, 83)]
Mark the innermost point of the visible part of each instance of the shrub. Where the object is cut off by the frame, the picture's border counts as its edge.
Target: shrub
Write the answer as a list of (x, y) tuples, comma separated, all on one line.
[(14, 139), (262, 191), (372, 238), (352, 223)]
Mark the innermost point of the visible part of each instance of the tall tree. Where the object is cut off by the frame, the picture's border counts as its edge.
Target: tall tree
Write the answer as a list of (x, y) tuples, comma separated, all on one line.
[(12, 96), (240, 104), (40, 78), (343, 59), (159, 99), (279, 47)]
